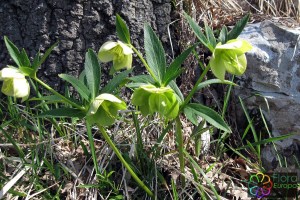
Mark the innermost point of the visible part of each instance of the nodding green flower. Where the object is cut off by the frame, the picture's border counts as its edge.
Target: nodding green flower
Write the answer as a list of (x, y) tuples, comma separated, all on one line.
[(151, 99), (118, 52), (14, 83), (230, 57), (104, 109)]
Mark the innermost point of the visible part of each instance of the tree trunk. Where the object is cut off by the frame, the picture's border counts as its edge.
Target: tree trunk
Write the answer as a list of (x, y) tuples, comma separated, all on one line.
[(77, 25)]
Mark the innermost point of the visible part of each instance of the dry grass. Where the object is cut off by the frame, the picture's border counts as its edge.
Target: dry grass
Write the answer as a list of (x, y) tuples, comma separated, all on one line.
[(225, 12)]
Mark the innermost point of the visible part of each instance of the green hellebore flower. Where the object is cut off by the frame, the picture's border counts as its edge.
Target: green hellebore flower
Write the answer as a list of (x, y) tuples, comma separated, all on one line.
[(14, 83), (104, 109), (118, 52), (230, 57), (151, 99)]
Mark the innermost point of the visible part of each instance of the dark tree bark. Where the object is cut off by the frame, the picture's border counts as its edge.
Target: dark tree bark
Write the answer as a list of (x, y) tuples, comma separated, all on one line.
[(78, 25)]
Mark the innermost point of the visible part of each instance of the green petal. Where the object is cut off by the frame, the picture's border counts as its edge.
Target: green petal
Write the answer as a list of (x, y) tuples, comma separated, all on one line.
[(8, 88), (108, 97), (95, 106), (106, 53), (217, 67), (173, 110), (18, 87), (10, 73), (145, 110), (140, 97), (126, 50), (158, 103), (101, 117), (102, 99), (238, 65), (241, 46), (153, 89), (121, 62)]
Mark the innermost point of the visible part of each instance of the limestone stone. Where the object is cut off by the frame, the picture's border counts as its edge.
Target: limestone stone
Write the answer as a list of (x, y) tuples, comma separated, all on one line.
[(273, 73)]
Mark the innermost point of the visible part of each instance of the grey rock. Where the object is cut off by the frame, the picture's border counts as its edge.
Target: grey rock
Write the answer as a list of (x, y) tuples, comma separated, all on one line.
[(273, 72)]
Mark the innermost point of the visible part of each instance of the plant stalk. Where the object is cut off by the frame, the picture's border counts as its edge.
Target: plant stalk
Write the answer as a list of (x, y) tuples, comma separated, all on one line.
[(56, 93), (118, 153), (179, 138), (144, 62), (194, 89)]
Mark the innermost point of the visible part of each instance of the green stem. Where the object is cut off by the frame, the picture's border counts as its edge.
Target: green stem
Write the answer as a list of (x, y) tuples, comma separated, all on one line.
[(118, 153), (56, 93), (144, 62), (194, 89), (179, 138), (92, 146)]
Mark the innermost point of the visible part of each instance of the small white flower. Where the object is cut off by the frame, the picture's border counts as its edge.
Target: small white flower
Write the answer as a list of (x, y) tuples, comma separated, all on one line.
[(14, 83)]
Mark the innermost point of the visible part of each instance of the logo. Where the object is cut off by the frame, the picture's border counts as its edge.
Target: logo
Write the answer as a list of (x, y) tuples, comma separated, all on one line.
[(275, 185), (260, 185)]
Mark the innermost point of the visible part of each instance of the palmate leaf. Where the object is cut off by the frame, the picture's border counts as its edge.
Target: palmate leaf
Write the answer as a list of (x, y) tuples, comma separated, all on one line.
[(174, 70), (24, 58), (13, 52), (210, 35), (78, 85), (155, 54), (122, 30), (193, 110), (142, 79), (223, 35), (238, 28), (177, 91), (41, 60), (198, 32), (92, 72), (115, 82)]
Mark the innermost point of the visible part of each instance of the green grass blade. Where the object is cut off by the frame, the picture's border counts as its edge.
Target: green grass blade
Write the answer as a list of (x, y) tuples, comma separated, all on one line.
[(249, 121), (10, 139), (194, 163), (268, 140), (174, 190)]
